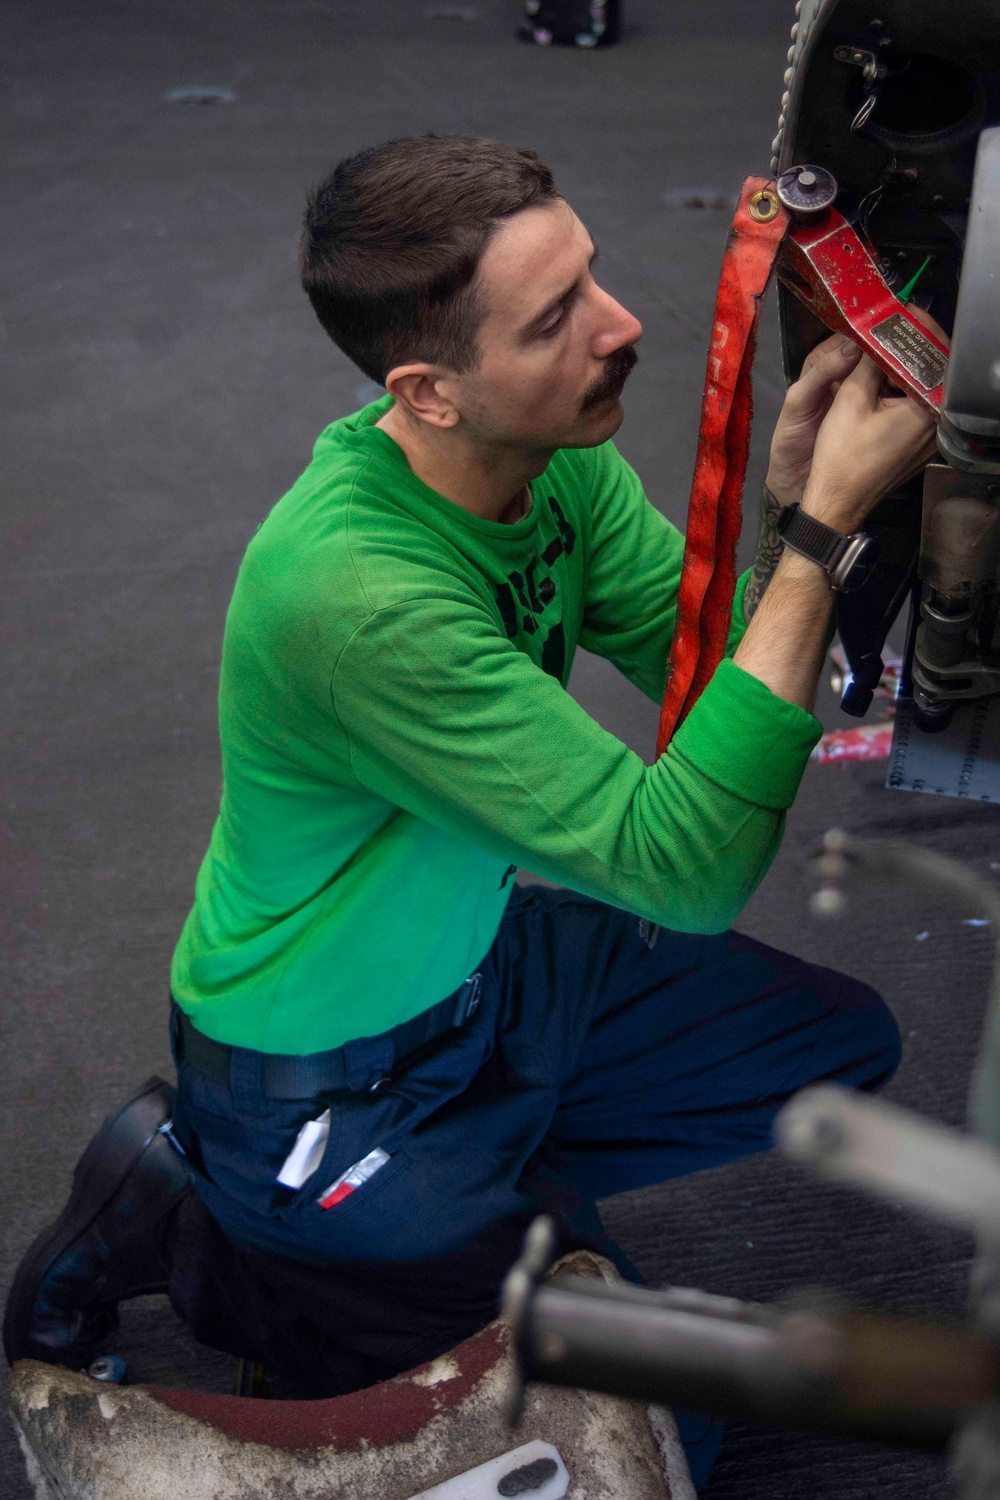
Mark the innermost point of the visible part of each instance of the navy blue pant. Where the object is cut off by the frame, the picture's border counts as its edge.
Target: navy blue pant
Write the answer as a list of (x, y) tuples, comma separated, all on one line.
[(594, 1063)]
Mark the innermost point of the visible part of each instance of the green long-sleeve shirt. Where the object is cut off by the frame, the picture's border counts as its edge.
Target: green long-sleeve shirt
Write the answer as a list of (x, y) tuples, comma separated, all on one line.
[(396, 735)]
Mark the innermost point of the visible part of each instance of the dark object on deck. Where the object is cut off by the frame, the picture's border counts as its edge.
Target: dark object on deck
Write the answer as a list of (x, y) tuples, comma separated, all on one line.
[(574, 23)]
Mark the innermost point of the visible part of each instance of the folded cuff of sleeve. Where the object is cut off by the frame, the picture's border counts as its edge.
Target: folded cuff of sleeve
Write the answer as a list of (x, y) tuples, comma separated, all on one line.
[(738, 625), (748, 740)]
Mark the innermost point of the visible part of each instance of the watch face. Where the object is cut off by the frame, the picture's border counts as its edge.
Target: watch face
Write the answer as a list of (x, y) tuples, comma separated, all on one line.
[(854, 568)]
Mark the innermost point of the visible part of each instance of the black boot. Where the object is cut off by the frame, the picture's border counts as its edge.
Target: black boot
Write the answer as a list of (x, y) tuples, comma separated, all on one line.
[(105, 1245)]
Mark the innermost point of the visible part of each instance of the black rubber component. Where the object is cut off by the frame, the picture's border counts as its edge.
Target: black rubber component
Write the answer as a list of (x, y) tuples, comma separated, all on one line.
[(104, 1246)]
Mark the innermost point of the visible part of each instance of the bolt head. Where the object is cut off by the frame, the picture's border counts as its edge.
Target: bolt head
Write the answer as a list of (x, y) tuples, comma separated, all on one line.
[(807, 189)]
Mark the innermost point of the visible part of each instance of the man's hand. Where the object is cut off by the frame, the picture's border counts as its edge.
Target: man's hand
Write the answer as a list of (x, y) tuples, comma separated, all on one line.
[(806, 404), (844, 439), (870, 442)]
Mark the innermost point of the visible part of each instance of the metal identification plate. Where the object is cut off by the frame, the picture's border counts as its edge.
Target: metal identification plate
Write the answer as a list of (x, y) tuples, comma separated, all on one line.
[(914, 351), (960, 761)]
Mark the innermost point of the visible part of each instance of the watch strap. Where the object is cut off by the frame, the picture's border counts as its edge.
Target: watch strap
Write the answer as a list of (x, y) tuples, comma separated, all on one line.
[(811, 538)]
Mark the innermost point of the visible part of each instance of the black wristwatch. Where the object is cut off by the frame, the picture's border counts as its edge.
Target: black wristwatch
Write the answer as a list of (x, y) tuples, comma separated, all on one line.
[(847, 560)]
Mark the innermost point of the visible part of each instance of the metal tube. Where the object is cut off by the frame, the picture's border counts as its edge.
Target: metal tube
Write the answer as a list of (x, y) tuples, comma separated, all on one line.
[(852, 1375)]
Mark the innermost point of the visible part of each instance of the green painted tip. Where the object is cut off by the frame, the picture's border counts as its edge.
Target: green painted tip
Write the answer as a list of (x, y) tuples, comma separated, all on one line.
[(911, 285)]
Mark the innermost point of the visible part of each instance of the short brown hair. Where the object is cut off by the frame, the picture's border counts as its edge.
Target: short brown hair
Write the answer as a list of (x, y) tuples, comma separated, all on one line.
[(393, 238)]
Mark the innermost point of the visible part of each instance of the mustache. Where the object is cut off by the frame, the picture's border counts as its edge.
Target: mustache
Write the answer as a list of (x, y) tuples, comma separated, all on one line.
[(611, 382)]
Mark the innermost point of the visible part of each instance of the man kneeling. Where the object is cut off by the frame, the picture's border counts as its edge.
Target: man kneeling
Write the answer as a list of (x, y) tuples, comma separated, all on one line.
[(360, 975)]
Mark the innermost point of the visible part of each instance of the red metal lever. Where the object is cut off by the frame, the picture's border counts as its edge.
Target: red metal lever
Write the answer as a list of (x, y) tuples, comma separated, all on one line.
[(830, 269)]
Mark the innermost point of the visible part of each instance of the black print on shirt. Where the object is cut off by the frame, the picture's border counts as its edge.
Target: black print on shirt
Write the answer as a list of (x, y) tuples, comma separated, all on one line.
[(533, 594), (508, 612), (554, 652), (565, 529)]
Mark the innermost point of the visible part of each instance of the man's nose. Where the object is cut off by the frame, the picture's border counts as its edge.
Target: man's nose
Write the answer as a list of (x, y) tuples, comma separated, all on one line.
[(619, 328)]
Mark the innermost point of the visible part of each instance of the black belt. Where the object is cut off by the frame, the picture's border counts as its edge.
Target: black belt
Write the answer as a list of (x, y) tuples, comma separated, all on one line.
[(286, 1077)]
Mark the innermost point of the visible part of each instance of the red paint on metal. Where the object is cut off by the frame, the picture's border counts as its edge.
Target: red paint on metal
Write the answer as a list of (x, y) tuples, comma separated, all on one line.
[(831, 271), (381, 1415)]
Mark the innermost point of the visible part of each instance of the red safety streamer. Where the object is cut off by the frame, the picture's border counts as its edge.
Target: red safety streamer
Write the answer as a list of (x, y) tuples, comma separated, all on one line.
[(708, 576)]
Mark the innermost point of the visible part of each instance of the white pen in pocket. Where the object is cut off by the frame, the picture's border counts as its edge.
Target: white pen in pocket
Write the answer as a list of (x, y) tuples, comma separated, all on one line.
[(307, 1153)]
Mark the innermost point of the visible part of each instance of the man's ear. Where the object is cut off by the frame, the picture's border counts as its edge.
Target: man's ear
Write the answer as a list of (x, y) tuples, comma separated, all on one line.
[(420, 390)]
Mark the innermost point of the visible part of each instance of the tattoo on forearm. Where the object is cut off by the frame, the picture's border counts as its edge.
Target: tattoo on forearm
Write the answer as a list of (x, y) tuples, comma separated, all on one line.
[(769, 550)]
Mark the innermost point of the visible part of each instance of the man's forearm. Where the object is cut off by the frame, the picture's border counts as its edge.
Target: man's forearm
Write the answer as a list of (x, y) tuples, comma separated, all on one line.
[(785, 641), (769, 550)]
